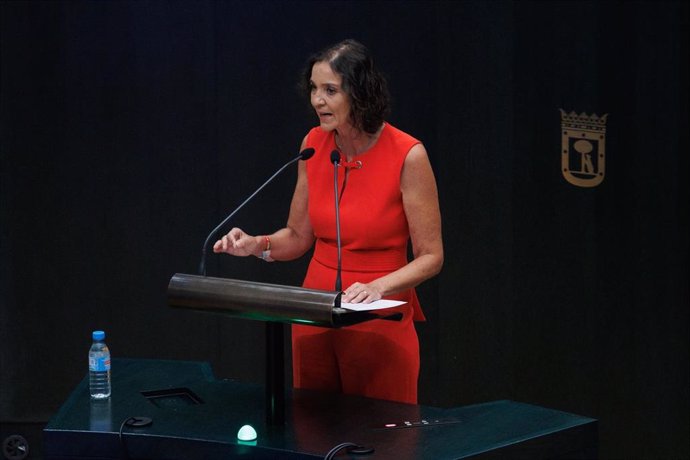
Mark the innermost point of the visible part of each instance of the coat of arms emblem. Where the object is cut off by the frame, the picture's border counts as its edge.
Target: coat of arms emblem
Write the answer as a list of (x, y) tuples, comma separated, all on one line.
[(583, 148)]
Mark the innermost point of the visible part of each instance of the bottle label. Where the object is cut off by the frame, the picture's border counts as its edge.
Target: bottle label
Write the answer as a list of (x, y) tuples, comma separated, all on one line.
[(99, 364)]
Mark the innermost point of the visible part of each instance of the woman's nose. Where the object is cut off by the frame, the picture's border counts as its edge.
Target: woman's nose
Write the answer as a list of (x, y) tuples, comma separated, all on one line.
[(317, 99)]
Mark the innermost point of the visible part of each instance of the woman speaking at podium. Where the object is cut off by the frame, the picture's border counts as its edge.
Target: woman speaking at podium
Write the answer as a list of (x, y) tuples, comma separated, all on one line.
[(387, 198)]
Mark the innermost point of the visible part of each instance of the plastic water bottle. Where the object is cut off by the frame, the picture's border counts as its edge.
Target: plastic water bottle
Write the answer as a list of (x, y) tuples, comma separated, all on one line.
[(99, 367)]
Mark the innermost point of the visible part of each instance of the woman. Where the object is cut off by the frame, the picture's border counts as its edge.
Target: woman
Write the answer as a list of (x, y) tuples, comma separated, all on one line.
[(388, 197)]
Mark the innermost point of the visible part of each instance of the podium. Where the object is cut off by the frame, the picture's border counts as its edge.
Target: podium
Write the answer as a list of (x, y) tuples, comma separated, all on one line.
[(195, 416), (275, 305)]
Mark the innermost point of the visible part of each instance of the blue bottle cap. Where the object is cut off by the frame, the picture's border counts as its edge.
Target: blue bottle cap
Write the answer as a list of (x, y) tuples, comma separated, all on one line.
[(98, 335)]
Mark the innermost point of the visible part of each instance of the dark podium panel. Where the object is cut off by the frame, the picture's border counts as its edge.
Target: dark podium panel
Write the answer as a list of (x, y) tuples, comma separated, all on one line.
[(195, 416)]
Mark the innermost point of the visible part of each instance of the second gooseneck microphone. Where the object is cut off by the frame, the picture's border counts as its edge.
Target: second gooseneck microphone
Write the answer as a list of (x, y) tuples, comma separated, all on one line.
[(303, 155), (335, 159)]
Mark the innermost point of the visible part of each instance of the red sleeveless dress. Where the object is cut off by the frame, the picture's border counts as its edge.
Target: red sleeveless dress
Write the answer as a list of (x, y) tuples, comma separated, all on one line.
[(379, 358)]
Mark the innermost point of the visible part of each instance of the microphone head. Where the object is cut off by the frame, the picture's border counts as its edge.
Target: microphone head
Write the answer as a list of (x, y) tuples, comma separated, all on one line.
[(335, 157), (306, 153)]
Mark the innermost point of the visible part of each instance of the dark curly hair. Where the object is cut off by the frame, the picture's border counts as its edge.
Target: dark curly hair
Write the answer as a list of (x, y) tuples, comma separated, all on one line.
[(362, 82)]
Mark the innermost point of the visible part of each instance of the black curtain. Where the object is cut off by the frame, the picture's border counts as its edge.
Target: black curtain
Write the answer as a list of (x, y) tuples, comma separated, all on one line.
[(130, 129)]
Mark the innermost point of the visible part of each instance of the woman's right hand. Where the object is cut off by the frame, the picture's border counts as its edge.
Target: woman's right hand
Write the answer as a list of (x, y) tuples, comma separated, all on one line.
[(238, 243)]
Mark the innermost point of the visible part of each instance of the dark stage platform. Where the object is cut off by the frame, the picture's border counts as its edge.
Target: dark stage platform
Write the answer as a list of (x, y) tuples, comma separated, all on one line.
[(195, 416)]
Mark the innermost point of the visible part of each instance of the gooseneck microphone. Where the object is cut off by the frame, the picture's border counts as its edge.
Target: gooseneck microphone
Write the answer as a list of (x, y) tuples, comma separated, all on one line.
[(335, 159), (303, 155)]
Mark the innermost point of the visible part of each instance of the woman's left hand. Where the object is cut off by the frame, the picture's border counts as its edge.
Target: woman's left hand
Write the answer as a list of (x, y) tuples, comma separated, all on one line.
[(361, 293)]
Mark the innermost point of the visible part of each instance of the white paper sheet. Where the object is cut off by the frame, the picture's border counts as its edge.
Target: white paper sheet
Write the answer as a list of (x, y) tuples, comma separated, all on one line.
[(377, 305)]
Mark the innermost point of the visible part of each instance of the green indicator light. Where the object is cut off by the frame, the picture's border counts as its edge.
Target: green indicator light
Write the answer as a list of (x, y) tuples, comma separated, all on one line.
[(247, 434)]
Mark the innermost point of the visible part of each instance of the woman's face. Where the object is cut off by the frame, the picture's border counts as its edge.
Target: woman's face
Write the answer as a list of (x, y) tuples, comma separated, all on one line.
[(331, 103)]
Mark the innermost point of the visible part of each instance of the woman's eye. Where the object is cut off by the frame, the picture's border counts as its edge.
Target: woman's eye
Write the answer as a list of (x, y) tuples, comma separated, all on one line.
[(331, 91)]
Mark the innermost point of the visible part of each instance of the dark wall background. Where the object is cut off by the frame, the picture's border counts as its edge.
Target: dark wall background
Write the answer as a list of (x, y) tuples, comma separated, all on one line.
[(130, 129)]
